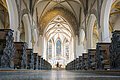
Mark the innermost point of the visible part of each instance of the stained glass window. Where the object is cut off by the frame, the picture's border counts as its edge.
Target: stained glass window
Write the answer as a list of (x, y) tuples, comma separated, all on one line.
[(49, 50), (58, 47), (67, 49)]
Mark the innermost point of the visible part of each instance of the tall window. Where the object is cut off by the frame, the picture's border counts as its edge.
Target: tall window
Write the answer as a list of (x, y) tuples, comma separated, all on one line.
[(67, 49), (58, 47), (49, 50)]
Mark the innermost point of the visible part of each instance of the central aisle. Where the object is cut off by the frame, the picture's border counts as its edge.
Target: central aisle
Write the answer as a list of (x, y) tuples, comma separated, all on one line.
[(56, 75)]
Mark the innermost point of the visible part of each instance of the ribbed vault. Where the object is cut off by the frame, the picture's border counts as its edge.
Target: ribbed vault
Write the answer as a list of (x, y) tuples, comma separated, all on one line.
[(58, 11)]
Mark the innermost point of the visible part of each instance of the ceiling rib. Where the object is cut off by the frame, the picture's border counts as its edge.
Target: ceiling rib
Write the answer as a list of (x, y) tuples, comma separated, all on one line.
[(44, 9), (51, 28), (59, 3), (72, 9)]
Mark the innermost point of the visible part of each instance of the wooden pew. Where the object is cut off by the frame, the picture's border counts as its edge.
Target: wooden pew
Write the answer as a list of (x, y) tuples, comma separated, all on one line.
[(49, 66), (76, 63), (102, 56), (115, 51), (30, 59), (42, 63), (73, 64), (45, 64), (91, 59), (7, 49), (39, 62), (67, 67), (85, 61), (35, 61), (80, 63), (20, 57)]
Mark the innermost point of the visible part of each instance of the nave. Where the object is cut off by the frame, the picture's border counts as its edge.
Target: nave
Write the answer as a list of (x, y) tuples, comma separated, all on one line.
[(58, 75), (22, 64), (79, 38)]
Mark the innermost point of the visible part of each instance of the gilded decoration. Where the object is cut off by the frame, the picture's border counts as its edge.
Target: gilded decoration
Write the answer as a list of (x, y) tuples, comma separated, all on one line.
[(48, 16)]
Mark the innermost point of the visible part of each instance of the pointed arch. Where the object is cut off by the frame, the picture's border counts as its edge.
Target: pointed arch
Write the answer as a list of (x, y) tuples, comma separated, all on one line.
[(58, 47), (58, 29)]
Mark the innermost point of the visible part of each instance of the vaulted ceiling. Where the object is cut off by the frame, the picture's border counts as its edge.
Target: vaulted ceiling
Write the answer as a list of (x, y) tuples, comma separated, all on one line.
[(68, 8), (58, 28), (72, 5), (73, 9)]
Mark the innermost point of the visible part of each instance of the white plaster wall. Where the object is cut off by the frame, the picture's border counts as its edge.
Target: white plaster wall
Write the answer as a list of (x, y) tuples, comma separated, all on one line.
[(40, 46), (36, 45), (90, 26), (80, 48), (77, 52), (82, 19), (13, 16), (44, 47), (72, 54), (95, 40), (104, 20), (27, 27)]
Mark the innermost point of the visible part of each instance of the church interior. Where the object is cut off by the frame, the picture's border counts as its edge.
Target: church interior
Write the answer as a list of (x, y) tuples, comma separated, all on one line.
[(68, 35)]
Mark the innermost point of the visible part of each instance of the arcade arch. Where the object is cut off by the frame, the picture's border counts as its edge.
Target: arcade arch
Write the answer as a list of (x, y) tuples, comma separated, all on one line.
[(58, 36), (92, 32)]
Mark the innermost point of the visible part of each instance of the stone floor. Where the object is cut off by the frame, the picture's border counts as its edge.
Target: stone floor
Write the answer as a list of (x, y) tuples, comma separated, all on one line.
[(57, 75)]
